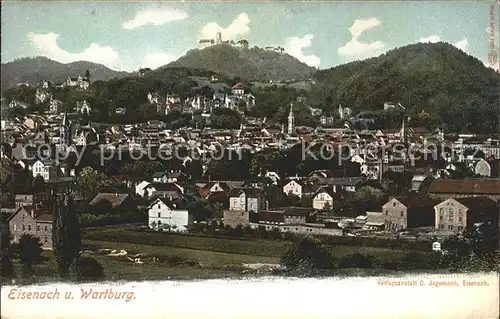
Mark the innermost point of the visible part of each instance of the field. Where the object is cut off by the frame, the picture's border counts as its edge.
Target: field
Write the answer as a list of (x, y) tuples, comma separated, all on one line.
[(242, 247), (185, 257)]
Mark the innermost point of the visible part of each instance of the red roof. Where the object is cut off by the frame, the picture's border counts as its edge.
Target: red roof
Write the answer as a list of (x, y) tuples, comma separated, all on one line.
[(466, 186), (238, 86)]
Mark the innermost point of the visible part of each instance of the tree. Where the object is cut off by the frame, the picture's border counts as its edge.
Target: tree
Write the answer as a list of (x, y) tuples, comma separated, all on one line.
[(90, 182), (29, 251), (38, 184), (309, 252), (6, 266), (65, 234)]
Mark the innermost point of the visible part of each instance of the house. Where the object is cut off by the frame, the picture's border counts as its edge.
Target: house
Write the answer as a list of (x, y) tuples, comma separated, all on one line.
[(238, 89), (273, 176), (374, 221), (458, 214), (297, 215), (55, 106), (45, 168), (21, 200), (83, 107), (450, 188), (348, 184), (298, 188), (482, 168), (166, 215), (247, 199), (31, 220), (416, 181), (160, 189), (140, 189), (323, 196), (117, 202), (169, 177), (402, 214), (78, 82)]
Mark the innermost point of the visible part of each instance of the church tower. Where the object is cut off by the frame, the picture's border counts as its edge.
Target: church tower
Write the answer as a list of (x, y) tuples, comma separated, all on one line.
[(65, 131), (218, 38), (291, 120)]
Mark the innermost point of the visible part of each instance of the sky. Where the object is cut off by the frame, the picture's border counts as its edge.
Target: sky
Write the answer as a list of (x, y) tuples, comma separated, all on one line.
[(131, 35)]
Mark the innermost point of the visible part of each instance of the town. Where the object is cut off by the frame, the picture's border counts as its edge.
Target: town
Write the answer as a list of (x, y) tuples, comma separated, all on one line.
[(193, 162)]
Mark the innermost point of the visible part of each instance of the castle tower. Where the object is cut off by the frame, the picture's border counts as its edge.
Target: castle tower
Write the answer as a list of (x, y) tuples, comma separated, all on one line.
[(218, 38), (341, 111), (291, 120)]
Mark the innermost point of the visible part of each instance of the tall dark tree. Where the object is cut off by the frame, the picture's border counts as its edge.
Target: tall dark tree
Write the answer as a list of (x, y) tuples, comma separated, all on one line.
[(29, 250), (87, 74), (6, 267), (66, 234)]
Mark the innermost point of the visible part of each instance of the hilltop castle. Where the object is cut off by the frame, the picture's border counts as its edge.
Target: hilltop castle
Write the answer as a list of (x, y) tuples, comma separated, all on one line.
[(205, 43)]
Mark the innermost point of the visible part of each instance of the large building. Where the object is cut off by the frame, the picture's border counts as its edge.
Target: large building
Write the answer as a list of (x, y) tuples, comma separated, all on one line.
[(205, 43), (446, 188)]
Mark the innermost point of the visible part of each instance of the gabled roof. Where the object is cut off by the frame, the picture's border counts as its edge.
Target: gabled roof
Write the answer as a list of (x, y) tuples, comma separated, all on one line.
[(249, 191), (115, 199)]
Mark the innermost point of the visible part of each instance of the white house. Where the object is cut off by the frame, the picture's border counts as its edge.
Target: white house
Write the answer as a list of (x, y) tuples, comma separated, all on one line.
[(55, 106), (293, 187), (273, 176), (46, 169), (83, 107), (164, 215), (323, 196), (140, 189)]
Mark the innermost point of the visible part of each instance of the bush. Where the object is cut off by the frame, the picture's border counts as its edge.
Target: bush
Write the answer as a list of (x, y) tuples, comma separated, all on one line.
[(88, 268), (29, 250), (308, 253), (356, 260)]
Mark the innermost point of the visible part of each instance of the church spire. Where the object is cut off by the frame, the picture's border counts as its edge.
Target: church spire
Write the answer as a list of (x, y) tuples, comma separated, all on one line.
[(291, 120)]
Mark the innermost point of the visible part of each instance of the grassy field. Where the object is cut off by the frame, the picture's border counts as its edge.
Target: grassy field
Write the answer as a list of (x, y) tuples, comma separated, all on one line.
[(183, 257), (249, 247)]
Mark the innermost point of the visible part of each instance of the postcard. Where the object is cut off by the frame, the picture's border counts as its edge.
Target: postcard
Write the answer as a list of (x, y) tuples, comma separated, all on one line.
[(265, 159)]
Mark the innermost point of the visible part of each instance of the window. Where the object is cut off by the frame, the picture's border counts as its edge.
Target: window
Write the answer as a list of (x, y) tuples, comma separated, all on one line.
[(29, 227), (393, 204), (45, 227), (45, 240), (441, 216), (450, 214), (460, 228), (24, 228), (450, 227), (440, 210), (37, 227), (24, 217), (159, 214), (386, 212), (441, 226), (402, 213), (15, 227)]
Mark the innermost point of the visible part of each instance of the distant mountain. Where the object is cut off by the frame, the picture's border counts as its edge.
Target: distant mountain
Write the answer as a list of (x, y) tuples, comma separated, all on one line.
[(436, 78), (252, 64), (34, 70)]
